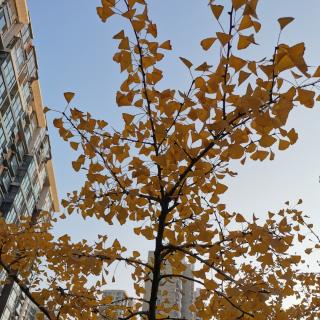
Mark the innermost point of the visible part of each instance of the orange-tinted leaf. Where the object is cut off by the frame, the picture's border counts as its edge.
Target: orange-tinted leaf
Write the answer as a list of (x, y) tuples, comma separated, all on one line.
[(238, 3), (68, 96), (186, 62), (283, 144), (240, 218), (217, 10), (207, 43), (284, 21), (317, 73), (245, 23), (245, 41), (166, 45), (203, 67), (104, 13), (224, 38)]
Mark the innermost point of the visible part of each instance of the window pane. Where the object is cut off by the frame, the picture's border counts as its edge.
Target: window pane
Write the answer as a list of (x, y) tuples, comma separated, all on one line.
[(8, 121), (6, 315), (31, 63), (26, 34), (17, 107), (26, 92), (3, 23), (18, 202), (2, 137), (14, 164), (11, 216), (6, 179), (19, 55), (9, 73), (3, 92)]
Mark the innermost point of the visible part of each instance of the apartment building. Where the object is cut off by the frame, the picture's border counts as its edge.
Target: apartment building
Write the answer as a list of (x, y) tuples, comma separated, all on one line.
[(27, 183), (175, 293), (118, 305)]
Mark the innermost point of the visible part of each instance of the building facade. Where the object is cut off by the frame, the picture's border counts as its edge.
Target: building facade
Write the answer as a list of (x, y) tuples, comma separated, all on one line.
[(118, 306), (175, 293), (27, 183)]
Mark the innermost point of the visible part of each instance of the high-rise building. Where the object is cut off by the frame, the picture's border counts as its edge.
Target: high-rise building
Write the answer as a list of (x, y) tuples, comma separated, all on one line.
[(176, 293), (118, 305), (27, 183)]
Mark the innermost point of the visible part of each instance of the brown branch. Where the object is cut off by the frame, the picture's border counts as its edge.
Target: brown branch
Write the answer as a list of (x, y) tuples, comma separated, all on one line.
[(231, 26)]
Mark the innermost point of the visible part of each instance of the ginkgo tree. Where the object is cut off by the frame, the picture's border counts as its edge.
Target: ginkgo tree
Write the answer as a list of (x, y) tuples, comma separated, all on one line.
[(164, 170)]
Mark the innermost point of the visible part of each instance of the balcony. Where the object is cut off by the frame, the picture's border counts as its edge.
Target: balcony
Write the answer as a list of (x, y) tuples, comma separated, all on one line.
[(14, 188)]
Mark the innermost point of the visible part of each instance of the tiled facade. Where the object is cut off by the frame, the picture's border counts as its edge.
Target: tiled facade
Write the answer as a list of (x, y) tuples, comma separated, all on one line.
[(27, 183), (179, 292), (119, 298)]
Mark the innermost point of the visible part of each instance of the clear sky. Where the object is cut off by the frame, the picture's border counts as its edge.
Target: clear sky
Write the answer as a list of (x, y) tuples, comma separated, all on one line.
[(75, 50)]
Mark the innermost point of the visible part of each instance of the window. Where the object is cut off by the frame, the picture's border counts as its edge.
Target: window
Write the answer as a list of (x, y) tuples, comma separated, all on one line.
[(25, 185), (32, 169), (3, 277), (11, 217), (26, 92), (2, 137), (31, 203), (3, 23), (14, 165), (6, 179), (9, 73), (25, 33), (19, 202), (31, 63), (27, 134), (19, 55), (12, 299), (17, 107), (28, 192), (6, 314), (3, 92), (36, 188), (10, 13), (8, 121), (20, 150)]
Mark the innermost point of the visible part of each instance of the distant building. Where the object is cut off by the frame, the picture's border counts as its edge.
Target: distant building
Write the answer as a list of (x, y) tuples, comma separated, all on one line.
[(119, 303), (197, 294), (173, 292), (27, 183)]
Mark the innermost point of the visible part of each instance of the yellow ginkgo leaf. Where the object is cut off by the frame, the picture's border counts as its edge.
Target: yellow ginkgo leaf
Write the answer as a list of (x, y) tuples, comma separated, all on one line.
[(74, 145), (243, 76), (317, 73), (186, 62), (284, 21), (207, 43), (240, 218), (238, 3), (104, 13), (69, 96), (283, 144), (217, 10), (166, 45), (224, 38), (245, 23), (245, 41)]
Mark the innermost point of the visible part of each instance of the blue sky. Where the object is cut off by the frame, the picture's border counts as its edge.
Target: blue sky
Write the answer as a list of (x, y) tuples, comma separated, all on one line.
[(75, 50)]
